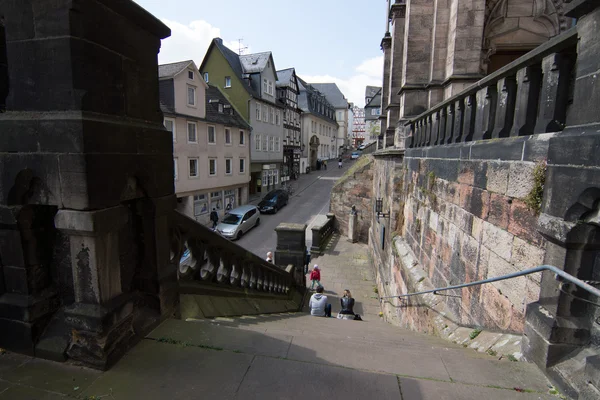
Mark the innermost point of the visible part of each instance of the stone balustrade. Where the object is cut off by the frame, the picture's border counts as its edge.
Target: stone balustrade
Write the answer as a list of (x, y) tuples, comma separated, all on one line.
[(528, 96), (321, 233), (202, 255)]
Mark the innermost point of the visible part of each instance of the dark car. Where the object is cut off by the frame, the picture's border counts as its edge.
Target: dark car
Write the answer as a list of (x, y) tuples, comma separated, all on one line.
[(273, 201)]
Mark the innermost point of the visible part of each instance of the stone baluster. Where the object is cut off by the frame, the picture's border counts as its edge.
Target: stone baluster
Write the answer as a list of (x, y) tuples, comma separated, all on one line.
[(428, 130), (554, 96), (469, 117), (449, 124), (459, 109), (529, 80), (486, 113), (505, 107), (442, 126), (411, 138), (418, 132), (435, 128)]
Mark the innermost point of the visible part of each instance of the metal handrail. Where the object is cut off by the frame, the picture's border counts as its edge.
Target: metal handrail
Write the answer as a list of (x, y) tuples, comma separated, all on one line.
[(539, 268)]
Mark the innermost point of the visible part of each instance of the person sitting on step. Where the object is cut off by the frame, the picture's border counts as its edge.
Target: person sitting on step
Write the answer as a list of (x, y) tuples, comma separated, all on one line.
[(318, 304), (347, 303)]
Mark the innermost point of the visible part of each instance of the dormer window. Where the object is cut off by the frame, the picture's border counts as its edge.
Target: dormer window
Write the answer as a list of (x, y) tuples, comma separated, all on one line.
[(206, 77), (191, 75), (220, 108), (227, 81)]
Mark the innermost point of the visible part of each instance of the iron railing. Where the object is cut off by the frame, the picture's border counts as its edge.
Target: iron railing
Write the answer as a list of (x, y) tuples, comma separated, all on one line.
[(541, 268)]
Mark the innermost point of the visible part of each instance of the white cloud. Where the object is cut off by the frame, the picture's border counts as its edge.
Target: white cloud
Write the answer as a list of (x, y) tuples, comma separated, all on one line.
[(190, 41), (369, 72)]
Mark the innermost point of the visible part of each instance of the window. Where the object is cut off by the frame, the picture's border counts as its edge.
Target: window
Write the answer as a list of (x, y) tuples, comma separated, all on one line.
[(206, 77), (192, 136), (270, 91), (228, 166), (265, 86), (258, 109), (227, 136), (193, 167), (265, 114), (375, 111), (200, 204), (271, 143), (242, 138), (215, 200), (277, 117), (265, 143), (257, 144), (191, 75), (227, 81), (212, 137), (242, 165), (191, 96), (277, 144), (272, 115), (275, 177), (229, 199), (212, 166), (170, 126), (175, 168)]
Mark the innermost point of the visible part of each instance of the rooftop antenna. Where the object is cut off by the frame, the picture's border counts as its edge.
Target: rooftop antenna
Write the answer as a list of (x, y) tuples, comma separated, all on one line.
[(241, 48)]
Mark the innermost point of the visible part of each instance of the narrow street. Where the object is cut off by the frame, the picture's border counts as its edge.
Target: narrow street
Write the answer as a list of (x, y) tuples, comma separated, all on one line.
[(310, 199)]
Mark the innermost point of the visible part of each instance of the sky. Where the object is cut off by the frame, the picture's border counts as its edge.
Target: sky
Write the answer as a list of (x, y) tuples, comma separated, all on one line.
[(324, 40)]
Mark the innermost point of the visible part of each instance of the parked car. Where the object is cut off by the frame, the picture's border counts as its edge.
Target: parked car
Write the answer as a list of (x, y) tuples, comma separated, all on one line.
[(239, 221), (361, 147), (355, 154), (273, 201)]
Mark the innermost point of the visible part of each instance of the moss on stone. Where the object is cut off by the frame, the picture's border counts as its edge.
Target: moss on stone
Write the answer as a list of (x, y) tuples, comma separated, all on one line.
[(533, 200)]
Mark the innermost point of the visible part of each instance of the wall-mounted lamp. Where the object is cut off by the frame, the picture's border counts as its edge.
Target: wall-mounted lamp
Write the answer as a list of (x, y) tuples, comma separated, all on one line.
[(379, 209)]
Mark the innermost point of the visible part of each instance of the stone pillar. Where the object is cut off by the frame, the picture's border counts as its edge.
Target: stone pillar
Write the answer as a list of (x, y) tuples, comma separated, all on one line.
[(291, 245), (353, 225), (469, 118), (486, 113), (101, 316), (397, 17), (386, 47)]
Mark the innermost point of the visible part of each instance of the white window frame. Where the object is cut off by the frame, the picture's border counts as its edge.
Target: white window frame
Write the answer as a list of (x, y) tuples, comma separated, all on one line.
[(229, 161), (174, 131), (265, 143), (228, 141), (270, 91), (265, 113), (277, 117), (214, 129), (242, 166), (277, 148), (257, 142), (242, 138), (258, 112), (271, 143), (175, 168), (210, 160), (193, 88), (206, 77), (195, 132), (275, 177), (265, 86), (227, 81), (190, 159), (272, 115)]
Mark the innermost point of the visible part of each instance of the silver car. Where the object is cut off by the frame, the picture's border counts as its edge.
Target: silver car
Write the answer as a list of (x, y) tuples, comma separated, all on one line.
[(239, 221)]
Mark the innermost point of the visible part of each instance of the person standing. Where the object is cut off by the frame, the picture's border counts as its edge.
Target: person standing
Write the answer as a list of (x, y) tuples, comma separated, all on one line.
[(315, 277), (269, 257), (325, 165), (318, 304), (306, 262), (340, 163), (214, 217)]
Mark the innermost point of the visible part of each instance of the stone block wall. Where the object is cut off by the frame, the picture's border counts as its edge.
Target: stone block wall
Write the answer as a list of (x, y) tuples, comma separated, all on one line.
[(354, 189), (466, 219)]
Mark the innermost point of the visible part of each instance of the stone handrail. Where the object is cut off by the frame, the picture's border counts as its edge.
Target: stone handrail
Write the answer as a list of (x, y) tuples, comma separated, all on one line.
[(216, 260), (528, 96), (321, 233)]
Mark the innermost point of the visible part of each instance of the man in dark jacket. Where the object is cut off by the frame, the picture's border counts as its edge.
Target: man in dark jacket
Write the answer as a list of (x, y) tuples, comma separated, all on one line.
[(214, 217)]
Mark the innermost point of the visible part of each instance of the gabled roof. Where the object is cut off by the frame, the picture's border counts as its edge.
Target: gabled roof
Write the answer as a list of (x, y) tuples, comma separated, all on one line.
[(376, 100), (254, 63), (173, 69), (307, 91), (371, 91), (333, 94), (284, 76), (229, 116)]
